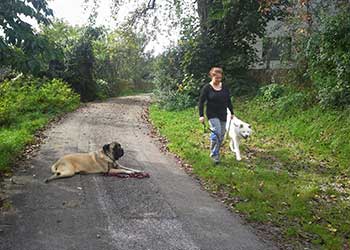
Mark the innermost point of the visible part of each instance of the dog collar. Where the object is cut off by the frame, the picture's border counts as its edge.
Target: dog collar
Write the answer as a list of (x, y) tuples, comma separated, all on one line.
[(110, 162), (108, 158)]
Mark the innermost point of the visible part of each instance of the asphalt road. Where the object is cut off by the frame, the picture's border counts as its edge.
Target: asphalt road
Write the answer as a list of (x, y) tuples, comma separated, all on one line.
[(168, 211)]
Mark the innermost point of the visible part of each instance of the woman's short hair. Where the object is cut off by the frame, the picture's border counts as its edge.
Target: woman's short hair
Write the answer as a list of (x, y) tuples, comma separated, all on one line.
[(215, 70)]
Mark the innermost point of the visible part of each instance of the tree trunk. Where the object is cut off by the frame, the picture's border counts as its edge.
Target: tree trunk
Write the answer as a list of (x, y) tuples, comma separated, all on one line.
[(203, 11)]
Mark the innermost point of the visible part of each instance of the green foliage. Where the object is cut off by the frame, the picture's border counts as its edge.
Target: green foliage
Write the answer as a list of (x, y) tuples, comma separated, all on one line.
[(20, 46), (75, 60), (271, 92), (97, 62), (64, 38), (286, 100), (189, 86), (225, 38), (26, 104), (103, 89), (170, 91), (56, 96), (167, 70), (12, 141), (80, 66), (231, 30), (293, 102), (329, 61), (173, 99), (27, 95), (121, 62), (173, 90)]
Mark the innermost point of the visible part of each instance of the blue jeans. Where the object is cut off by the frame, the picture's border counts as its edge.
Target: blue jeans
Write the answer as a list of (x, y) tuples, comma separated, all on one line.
[(219, 127)]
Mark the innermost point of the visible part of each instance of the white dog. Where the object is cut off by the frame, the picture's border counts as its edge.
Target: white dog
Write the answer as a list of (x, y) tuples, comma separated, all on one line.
[(237, 130)]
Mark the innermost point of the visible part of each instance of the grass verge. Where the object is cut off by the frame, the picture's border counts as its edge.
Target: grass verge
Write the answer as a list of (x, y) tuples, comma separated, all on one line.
[(294, 174)]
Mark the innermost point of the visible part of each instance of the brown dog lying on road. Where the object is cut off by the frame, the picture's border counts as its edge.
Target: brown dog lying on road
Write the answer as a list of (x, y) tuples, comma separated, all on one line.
[(102, 161)]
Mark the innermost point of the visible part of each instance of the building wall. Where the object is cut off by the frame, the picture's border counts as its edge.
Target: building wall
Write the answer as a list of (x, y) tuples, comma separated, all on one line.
[(274, 30)]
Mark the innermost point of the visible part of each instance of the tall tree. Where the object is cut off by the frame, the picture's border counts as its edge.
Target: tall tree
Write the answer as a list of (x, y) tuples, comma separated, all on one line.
[(80, 65)]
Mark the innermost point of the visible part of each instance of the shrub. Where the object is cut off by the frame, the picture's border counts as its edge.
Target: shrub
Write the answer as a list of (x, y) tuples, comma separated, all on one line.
[(103, 89), (271, 92), (56, 96), (173, 99), (32, 95), (26, 104), (329, 61), (5, 114), (293, 102)]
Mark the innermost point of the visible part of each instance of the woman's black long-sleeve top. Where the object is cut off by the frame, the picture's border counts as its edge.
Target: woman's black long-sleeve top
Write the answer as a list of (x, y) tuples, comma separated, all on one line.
[(217, 102)]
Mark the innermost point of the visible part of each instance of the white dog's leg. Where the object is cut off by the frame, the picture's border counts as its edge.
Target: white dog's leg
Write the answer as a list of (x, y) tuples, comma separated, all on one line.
[(236, 148), (232, 147)]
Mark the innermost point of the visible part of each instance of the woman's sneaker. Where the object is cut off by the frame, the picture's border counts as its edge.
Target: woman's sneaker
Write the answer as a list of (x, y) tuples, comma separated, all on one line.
[(216, 159)]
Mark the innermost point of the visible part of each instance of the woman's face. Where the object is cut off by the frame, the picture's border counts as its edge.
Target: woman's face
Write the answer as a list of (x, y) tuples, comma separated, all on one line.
[(216, 77)]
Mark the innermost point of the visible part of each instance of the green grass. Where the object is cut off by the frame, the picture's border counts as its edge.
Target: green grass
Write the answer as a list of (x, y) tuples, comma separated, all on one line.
[(295, 174), (14, 139), (27, 105), (128, 92)]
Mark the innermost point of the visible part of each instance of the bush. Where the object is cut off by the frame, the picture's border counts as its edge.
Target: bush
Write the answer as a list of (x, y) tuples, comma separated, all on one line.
[(292, 102), (271, 92), (329, 61), (286, 100), (27, 104), (174, 99), (32, 95), (242, 85), (335, 94), (56, 96), (5, 114), (103, 89)]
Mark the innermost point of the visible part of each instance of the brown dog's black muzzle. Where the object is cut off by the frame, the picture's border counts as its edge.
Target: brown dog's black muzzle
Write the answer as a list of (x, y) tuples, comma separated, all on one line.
[(118, 152)]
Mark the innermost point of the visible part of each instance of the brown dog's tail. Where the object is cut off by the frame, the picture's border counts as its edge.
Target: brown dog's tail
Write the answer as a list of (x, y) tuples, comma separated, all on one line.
[(54, 171), (54, 167)]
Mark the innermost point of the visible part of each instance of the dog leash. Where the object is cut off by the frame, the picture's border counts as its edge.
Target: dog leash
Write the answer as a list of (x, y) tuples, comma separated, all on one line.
[(140, 175), (205, 127), (228, 129), (137, 175)]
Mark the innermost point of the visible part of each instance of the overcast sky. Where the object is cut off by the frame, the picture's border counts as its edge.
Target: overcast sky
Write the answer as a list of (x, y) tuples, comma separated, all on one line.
[(73, 12)]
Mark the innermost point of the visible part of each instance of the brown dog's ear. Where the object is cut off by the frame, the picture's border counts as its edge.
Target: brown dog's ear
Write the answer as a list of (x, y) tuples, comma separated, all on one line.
[(105, 148)]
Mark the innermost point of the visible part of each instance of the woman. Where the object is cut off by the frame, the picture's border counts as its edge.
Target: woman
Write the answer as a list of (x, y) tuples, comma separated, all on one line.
[(217, 98)]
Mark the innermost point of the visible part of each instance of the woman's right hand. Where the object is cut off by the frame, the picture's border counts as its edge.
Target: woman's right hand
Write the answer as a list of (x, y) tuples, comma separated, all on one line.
[(201, 119)]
